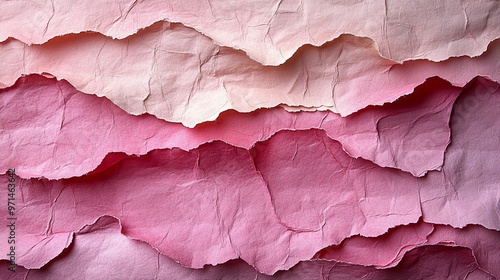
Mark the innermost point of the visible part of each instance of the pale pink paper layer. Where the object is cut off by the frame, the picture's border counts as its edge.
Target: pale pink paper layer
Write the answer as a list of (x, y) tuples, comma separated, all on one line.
[(299, 188), (484, 243), (217, 205), (271, 31), (54, 131), (293, 193), (100, 248), (299, 171), (388, 250), (469, 186), (178, 75), (382, 251)]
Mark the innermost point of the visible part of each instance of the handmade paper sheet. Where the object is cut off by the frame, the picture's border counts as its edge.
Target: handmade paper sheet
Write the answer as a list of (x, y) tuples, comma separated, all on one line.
[(249, 139)]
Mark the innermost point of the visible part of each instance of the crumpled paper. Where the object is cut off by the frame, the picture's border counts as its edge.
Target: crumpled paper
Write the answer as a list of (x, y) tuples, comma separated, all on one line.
[(260, 190), (99, 248), (141, 73), (389, 249), (217, 202), (54, 131), (271, 31), (467, 190), (298, 187), (384, 251), (297, 180)]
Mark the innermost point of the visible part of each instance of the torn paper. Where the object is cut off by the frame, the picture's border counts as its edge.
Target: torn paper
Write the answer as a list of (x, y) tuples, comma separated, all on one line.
[(270, 32), (390, 248), (300, 187), (55, 131), (99, 248), (141, 74)]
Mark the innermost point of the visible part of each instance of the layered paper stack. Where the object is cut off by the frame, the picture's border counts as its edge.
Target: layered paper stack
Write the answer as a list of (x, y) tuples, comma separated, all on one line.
[(250, 139)]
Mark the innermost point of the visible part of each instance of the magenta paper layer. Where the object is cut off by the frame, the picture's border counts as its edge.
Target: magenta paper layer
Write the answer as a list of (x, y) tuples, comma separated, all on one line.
[(141, 73), (277, 204), (54, 131), (271, 31), (98, 249)]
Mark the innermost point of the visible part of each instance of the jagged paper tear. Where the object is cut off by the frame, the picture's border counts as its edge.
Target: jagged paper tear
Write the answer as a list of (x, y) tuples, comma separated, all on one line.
[(100, 248), (54, 131), (299, 187), (141, 73), (271, 31)]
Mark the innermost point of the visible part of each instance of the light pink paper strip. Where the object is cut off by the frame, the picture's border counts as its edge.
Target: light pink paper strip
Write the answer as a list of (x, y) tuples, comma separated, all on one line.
[(54, 131), (271, 31), (142, 74), (99, 249), (484, 243), (299, 188), (388, 250), (467, 191), (382, 251), (217, 205), (299, 171)]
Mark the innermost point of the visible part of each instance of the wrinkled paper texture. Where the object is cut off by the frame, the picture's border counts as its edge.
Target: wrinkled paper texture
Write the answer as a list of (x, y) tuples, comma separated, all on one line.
[(141, 73), (221, 198), (250, 139), (270, 32), (51, 132)]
